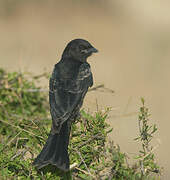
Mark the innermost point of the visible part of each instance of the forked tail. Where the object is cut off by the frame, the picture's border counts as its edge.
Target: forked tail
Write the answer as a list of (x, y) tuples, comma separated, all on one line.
[(55, 151)]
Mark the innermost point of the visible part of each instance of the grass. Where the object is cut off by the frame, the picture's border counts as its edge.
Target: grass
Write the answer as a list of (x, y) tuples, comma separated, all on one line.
[(24, 126)]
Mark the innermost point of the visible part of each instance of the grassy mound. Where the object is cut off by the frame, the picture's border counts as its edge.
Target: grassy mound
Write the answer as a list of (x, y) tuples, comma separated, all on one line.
[(24, 126)]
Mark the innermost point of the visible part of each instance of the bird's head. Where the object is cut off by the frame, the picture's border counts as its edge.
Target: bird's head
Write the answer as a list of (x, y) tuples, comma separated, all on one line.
[(79, 49)]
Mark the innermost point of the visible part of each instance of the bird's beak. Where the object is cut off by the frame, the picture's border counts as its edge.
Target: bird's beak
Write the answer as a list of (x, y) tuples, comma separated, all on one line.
[(92, 50), (89, 51)]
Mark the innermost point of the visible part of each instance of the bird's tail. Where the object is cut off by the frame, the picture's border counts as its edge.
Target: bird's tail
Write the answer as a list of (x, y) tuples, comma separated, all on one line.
[(55, 151)]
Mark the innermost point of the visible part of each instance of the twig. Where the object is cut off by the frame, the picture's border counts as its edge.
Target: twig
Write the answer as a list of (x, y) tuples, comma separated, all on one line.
[(84, 162), (92, 138), (27, 90), (41, 75), (85, 172), (97, 106), (31, 133), (47, 90), (10, 141), (19, 153), (96, 87), (149, 152)]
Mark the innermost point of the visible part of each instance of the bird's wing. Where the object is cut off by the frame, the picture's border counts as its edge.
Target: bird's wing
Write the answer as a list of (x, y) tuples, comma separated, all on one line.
[(66, 95)]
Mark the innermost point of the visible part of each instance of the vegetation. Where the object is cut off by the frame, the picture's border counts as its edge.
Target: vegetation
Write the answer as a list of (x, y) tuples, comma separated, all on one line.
[(24, 126)]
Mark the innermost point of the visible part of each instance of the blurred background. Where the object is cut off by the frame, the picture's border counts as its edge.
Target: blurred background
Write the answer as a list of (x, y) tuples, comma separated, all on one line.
[(133, 39)]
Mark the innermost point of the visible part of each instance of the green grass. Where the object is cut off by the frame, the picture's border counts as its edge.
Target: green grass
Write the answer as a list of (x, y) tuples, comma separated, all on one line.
[(24, 126)]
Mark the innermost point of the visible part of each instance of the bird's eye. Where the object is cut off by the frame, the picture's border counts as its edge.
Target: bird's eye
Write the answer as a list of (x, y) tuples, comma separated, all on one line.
[(81, 47)]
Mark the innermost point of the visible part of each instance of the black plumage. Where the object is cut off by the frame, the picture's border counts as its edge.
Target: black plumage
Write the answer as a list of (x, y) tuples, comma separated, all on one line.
[(69, 84)]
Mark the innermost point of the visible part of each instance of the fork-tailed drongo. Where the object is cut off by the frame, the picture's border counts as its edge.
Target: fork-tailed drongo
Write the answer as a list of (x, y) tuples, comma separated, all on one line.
[(68, 86)]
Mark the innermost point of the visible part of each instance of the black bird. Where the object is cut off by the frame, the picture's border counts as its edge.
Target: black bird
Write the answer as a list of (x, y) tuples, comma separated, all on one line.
[(68, 86)]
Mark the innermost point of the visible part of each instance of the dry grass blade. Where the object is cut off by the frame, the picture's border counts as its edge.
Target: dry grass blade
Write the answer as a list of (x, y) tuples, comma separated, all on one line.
[(29, 132)]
